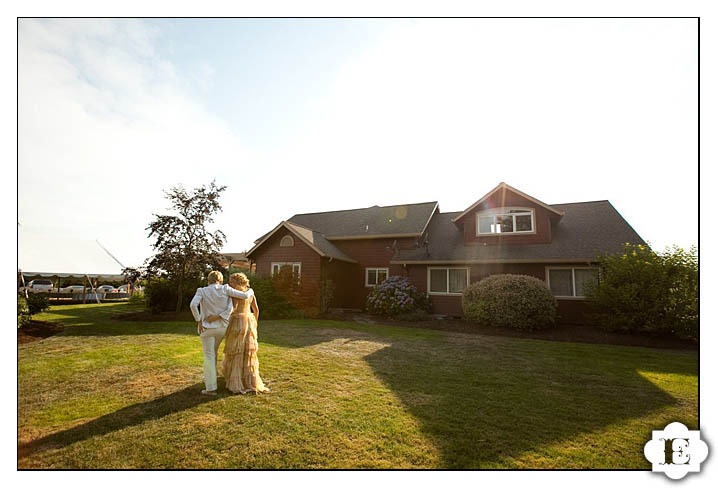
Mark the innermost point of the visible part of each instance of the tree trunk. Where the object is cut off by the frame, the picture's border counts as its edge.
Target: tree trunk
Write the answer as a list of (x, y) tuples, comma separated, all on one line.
[(179, 295)]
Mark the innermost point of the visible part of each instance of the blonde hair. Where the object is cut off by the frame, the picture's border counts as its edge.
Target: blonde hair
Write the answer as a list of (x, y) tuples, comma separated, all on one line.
[(215, 277), (239, 279)]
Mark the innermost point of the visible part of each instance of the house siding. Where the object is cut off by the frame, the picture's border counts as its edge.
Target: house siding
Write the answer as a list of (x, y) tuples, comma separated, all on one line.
[(507, 199), (570, 311), (270, 252), (368, 253), (342, 275)]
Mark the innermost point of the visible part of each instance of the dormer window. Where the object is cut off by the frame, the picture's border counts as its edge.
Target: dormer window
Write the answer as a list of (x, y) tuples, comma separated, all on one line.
[(505, 221)]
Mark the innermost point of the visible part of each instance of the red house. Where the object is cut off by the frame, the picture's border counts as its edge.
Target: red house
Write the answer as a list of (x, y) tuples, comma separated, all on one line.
[(505, 231)]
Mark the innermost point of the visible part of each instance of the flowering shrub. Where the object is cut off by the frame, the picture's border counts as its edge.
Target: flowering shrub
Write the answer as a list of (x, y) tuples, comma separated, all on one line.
[(510, 301), (396, 295)]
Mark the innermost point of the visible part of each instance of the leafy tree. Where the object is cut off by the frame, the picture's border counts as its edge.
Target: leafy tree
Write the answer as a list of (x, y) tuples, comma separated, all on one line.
[(643, 290), (185, 251)]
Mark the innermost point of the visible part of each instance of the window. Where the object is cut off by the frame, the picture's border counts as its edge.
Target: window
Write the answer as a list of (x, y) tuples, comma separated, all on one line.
[(505, 221), (374, 276), (280, 267), (570, 281), (448, 280), (287, 241)]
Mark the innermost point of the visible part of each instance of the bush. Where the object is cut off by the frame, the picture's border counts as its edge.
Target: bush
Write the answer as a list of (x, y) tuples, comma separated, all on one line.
[(394, 296), (510, 301), (326, 294), (272, 303), (23, 313), (644, 291), (138, 299), (161, 294), (36, 303)]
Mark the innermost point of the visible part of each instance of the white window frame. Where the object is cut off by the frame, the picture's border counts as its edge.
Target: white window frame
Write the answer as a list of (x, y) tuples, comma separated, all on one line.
[(291, 240), (281, 263), (504, 211), (573, 280), (428, 280), (377, 269)]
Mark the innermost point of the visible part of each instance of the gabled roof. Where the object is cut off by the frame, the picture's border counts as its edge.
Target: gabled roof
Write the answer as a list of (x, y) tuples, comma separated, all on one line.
[(393, 221), (586, 230), (505, 186), (312, 238)]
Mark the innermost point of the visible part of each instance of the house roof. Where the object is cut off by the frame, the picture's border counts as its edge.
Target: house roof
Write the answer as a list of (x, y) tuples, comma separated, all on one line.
[(506, 186), (586, 230), (391, 221), (312, 238)]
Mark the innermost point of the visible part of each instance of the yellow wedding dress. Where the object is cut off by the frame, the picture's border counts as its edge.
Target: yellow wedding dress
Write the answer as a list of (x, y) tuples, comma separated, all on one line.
[(240, 366)]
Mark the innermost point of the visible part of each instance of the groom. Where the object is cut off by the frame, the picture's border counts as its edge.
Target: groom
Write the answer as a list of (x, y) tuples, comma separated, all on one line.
[(213, 300)]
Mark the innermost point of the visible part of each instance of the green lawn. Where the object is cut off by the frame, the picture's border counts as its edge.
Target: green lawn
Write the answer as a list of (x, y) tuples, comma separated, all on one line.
[(122, 394)]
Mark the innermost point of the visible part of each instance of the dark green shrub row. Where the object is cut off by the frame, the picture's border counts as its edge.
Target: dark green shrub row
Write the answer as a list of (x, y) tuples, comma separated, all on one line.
[(644, 291), (26, 308)]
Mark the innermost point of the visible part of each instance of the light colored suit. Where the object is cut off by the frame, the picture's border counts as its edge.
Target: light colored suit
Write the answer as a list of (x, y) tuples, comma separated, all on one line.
[(214, 300)]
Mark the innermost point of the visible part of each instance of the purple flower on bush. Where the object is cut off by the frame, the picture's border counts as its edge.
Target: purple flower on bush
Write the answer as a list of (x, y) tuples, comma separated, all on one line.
[(395, 295)]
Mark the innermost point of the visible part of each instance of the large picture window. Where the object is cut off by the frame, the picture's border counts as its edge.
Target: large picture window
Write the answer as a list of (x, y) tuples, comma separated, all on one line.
[(505, 221), (570, 281), (374, 276), (448, 281)]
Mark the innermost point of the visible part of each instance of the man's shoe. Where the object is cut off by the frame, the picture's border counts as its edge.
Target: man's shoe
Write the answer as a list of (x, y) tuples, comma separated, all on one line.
[(209, 393)]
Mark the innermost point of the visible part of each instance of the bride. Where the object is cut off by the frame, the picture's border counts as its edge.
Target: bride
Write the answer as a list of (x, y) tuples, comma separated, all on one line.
[(240, 366)]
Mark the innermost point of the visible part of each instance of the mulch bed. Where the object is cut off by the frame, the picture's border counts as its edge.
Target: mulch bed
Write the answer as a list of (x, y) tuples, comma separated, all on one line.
[(37, 330), (561, 332)]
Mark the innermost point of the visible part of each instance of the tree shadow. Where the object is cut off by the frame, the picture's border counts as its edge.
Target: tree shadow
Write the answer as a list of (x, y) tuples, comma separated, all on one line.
[(485, 409), (129, 416)]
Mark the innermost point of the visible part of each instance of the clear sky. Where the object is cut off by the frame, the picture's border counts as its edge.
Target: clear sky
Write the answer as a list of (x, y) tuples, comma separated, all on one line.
[(313, 115)]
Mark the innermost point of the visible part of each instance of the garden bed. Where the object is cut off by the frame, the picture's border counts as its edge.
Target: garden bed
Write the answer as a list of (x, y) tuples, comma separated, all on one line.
[(561, 332), (37, 330)]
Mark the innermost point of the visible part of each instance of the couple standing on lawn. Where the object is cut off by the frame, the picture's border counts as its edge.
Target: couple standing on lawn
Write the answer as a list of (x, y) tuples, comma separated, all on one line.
[(225, 310)]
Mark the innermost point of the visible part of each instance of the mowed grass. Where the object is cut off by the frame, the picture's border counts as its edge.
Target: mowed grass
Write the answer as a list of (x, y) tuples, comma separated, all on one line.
[(123, 394)]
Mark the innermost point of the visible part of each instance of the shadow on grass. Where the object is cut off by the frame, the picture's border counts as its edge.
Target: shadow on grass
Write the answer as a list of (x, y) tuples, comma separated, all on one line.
[(122, 418), (483, 412)]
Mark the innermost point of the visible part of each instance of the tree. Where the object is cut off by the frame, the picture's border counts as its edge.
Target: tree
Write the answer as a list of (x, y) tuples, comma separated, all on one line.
[(643, 290), (185, 251)]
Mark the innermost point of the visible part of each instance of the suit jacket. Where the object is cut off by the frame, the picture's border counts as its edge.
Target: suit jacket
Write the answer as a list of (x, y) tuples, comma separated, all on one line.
[(215, 299)]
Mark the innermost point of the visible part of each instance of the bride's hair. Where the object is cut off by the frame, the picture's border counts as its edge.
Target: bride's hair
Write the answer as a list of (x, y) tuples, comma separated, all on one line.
[(239, 279)]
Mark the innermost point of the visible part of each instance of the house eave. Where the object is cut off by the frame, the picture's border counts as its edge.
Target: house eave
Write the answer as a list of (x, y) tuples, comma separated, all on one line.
[(493, 261), (373, 236)]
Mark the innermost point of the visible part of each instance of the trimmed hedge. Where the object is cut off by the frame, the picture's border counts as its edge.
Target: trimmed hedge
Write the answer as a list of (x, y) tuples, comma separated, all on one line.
[(518, 302)]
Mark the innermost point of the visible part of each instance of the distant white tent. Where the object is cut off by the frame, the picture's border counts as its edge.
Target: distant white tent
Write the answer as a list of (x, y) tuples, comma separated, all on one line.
[(64, 256)]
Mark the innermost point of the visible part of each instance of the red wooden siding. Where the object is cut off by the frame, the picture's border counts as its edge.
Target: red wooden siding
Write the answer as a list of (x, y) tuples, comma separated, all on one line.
[(570, 311), (506, 198), (368, 253), (343, 275), (271, 252)]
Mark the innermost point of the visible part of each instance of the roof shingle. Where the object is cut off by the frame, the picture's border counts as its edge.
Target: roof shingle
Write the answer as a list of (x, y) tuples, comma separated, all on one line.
[(586, 230)]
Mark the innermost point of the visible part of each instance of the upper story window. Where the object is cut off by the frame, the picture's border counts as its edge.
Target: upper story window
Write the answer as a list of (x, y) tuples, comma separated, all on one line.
[(287, 241), (512, 220)]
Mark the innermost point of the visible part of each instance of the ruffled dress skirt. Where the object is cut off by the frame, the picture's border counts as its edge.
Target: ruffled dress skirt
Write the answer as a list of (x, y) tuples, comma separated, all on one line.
[(240, 366)]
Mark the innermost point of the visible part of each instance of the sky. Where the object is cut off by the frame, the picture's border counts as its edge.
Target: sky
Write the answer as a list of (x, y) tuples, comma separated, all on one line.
[(310, 115)]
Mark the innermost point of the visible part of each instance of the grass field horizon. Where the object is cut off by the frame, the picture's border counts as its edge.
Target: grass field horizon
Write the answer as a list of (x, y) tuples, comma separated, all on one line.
[(108, 393)]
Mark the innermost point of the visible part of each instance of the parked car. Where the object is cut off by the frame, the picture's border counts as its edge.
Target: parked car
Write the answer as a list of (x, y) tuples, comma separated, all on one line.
[(39, 286), (107, 289), (71, 289)]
